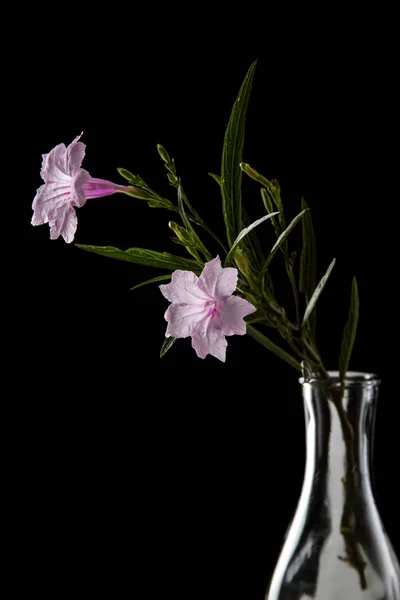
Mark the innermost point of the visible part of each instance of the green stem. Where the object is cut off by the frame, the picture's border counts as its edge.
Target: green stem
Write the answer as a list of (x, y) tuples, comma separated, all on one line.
[(267, 343), (214, 235), (315, 357), (294, 290), (200, 222)]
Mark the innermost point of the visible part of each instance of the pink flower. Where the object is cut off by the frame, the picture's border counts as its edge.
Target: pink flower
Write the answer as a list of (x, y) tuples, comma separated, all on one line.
[(67, 186), (204, 308)]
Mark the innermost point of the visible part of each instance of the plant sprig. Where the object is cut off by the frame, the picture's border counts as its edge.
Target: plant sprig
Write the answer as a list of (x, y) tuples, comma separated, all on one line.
[(243, 248)]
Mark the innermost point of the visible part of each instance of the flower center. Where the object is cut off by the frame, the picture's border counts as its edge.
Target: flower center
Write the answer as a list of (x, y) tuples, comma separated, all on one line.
[(212, 308)]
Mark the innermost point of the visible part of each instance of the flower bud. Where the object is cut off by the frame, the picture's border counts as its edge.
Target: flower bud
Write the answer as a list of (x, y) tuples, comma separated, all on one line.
[(163, 153), (180, 233), (242, 262), (249, 170)]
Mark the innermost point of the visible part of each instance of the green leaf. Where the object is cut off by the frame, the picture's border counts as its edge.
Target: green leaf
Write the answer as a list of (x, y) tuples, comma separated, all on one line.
[(317, 293), (252, 247), (140, 256), (308, 259), (283, 237), (308, 264), (167, 344), (350, 330), (216, 178), (231, 174), (269, 208), (266, 342), (243, 233), (154, 280)]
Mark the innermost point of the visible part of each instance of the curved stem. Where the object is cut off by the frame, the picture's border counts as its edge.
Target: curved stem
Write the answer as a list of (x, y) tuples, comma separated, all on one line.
[(199, 221), (350, 481), (315, 357)]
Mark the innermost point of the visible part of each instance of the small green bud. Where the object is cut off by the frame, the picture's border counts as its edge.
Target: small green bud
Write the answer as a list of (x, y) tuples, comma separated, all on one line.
[(180, 233), (129, 176), (163, 153), (172, 179), (253, 173), (242, 262)]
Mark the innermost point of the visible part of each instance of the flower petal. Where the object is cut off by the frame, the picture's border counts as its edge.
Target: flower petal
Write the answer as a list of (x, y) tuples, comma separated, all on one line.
[(49, 197), (74, 156), (64, 223), (53, 166), (208, 338), (226, 283), (183, 319), (52, 161), (216, 281), (184, 289), (230, 315), (40, 214), (209, 276)]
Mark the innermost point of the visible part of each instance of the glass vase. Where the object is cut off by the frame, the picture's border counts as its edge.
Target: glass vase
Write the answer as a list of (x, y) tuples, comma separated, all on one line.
[(336, 547)]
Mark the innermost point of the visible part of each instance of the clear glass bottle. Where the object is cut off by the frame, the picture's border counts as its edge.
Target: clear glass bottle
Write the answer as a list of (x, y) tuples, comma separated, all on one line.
[(336, 547)]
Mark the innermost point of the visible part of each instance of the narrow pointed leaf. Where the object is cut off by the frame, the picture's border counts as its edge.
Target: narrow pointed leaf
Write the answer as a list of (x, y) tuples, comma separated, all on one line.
[(269, 208), (252, 247), (141, 256), (216, 178), (167, 344), (153, 280), (243, 233), (308, 265), (266, 342), (283, 237), (231, 174), (317, 293), (350, 330)]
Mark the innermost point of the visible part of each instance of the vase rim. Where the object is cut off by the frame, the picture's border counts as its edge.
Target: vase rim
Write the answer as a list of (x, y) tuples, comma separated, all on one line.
[(352, 379)]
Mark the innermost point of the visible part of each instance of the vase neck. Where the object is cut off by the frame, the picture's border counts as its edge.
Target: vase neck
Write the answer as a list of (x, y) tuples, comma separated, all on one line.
[(339, 438)]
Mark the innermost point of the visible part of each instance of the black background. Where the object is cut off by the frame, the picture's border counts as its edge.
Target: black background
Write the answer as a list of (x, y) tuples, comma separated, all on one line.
[(179, 477)]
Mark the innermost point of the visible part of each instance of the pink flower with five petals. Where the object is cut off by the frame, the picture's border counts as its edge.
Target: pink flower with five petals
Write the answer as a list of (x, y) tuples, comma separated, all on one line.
[(67, 187), (205, 309)]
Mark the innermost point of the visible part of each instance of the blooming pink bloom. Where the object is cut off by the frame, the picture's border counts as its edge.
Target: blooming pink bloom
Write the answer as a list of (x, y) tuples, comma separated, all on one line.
[(67, 186), (204, 308)]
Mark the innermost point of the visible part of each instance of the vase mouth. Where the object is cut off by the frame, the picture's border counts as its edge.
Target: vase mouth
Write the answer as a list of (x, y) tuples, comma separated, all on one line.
[(352, 379)]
